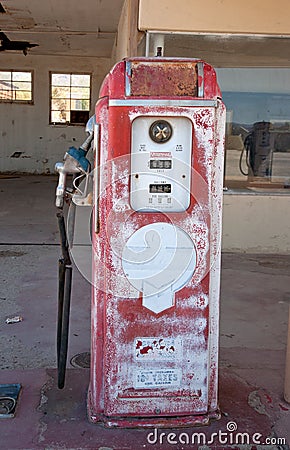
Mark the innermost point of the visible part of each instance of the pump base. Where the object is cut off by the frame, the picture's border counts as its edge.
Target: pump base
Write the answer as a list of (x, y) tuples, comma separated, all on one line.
[(155, 422)]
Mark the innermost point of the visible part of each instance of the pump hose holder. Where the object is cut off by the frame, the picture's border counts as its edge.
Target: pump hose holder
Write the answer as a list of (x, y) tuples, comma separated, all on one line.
[(64, 296)]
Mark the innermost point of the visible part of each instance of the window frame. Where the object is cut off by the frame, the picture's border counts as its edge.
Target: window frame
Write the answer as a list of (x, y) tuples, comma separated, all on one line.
[(67, 123), (21, 101)]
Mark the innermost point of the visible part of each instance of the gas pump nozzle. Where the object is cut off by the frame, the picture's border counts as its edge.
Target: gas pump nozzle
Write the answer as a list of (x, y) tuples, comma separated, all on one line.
[(75, 161)]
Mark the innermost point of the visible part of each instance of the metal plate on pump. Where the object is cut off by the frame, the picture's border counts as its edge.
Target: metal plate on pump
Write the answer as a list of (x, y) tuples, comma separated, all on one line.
[(161, 159), (162, 78)]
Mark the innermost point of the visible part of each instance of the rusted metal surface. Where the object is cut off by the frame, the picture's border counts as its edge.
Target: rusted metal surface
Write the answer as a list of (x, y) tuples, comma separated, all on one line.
[(147, 368), (164, 79)]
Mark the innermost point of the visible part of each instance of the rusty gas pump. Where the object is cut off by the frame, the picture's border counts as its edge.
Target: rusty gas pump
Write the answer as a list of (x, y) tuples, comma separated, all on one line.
[(258, 152), (156, 244)]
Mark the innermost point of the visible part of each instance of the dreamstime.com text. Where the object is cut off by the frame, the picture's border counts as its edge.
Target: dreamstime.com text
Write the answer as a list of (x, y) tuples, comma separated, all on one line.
[(229, 436)]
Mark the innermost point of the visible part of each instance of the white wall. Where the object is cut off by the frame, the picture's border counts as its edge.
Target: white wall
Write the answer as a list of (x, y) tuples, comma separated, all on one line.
[(25, 128), (254, 223)]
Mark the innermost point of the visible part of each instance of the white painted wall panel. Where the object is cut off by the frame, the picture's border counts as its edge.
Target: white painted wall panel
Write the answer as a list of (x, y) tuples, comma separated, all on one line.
[(216, 16), (256, 223)]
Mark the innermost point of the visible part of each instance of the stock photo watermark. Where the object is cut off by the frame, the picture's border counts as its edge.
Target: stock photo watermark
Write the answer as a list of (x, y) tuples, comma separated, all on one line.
[(230, 435)]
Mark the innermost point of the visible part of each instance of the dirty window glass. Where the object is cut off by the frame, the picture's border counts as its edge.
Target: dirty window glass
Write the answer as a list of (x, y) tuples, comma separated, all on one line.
[(15, 86), (258, 126), (70, 98)]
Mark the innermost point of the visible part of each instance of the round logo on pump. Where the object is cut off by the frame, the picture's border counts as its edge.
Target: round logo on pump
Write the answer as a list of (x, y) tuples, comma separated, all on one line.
[(159, 259)]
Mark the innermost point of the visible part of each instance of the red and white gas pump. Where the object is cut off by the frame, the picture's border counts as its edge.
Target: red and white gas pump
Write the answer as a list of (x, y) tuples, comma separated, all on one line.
[(159, 139)]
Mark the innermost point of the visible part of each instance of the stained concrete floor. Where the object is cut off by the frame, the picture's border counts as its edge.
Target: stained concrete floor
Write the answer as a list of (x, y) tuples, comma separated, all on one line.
[(255, 298)]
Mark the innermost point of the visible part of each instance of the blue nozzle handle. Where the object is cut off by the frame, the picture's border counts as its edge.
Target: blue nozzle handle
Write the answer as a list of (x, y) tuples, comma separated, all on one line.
[(80, 155)]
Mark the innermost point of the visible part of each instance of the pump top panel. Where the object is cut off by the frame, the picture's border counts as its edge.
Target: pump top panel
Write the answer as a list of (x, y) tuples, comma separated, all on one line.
[(161, 78)]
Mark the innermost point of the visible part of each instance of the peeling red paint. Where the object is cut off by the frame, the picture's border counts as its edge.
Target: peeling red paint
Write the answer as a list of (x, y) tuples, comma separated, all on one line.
[(138, 344), (145, 350)]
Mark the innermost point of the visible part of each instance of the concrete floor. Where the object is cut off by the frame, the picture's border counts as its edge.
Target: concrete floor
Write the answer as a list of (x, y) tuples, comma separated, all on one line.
[(254, 313)]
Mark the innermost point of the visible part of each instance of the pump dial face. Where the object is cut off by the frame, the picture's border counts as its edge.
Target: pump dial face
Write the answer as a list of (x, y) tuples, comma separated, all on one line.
[(160, 131)]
